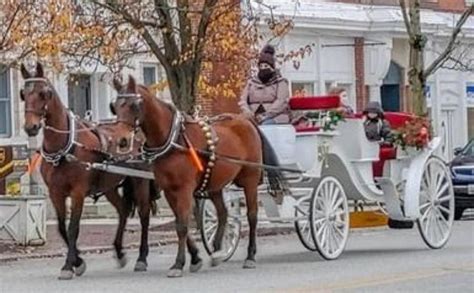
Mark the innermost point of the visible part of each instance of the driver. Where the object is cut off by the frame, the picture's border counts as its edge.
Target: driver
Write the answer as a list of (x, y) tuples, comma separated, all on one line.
[(265, 97), (376, 127)]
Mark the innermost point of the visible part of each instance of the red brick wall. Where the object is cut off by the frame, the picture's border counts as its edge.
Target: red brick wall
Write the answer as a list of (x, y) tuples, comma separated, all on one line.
[(359, 66)]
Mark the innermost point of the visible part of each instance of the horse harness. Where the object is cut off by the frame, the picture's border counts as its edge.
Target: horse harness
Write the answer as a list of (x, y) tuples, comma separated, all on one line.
[(178, 128)]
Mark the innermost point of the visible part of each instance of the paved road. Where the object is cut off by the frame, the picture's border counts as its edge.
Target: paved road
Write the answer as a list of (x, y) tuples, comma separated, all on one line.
[(374, 261)]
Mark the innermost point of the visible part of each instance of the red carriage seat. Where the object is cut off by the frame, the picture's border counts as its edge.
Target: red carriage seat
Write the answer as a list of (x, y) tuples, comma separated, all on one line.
[(316, 103), (396, 120)]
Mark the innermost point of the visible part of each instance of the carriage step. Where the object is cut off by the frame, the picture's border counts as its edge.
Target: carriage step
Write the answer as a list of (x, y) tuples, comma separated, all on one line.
[(391, 198), (397, 224)]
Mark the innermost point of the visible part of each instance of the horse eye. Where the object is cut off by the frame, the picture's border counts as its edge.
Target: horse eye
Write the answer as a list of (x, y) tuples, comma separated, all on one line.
[(112, 108), (135, 106)]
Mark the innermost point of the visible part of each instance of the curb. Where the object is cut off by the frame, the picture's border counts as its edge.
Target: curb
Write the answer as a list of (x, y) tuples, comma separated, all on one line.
[(168, 239), (262, 232)]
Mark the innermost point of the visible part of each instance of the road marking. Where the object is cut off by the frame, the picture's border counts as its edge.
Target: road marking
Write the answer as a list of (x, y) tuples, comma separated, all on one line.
[(385, 279)]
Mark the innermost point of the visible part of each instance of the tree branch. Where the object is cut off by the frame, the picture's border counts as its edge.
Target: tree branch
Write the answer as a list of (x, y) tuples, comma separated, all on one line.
[(406, 18), (438, 62)]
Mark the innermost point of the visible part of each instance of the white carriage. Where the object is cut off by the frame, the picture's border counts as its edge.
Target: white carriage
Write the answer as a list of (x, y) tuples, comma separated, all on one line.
[(341, 165)]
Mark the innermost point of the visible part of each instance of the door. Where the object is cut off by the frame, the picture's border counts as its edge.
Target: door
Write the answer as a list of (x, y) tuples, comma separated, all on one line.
[(390, 97), (79, 94)]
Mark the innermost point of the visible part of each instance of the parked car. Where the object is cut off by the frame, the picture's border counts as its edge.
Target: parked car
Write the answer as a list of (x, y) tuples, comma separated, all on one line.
[(462, 172)]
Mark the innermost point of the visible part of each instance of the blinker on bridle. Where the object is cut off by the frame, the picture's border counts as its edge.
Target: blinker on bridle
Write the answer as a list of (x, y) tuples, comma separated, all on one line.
[(136, 123), (28, 88)]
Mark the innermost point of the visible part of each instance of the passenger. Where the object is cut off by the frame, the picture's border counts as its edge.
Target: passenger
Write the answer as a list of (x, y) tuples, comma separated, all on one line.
[(342, 93), (265, 98), (376, 127)]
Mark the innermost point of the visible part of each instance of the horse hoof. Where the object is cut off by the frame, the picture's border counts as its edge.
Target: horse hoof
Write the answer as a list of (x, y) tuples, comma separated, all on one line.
[(217, 258), (175, 273), (81, 269), (250, 264), (196, 267), (122, 262), (66, 275), (140, 266)]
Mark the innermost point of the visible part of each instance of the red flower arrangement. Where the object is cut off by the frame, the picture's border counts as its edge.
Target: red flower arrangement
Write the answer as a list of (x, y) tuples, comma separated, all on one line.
[(416, 133)]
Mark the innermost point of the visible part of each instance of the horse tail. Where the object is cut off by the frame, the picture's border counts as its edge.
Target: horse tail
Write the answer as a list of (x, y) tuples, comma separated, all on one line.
[(154, 196), (129, 196), (276, 180)]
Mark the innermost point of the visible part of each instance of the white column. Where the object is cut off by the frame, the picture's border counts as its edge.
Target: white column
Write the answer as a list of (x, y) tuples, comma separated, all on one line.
[(374, 93), (463, 133)]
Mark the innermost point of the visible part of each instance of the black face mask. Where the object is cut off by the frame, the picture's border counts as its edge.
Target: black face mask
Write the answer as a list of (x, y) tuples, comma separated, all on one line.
[(265, 75)]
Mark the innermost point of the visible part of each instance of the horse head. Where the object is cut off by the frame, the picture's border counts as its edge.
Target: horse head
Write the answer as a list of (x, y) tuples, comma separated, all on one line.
[(37, 94), (128, 107)]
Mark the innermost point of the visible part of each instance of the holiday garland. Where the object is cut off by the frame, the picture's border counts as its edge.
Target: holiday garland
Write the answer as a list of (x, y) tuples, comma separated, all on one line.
[(417, 133), (330, 119)]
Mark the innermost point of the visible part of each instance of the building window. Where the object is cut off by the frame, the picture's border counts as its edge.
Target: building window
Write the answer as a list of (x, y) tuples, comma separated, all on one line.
[(470, 122), (5, 103), (302, 89), (150, 74), (470, 92), (469, 2)]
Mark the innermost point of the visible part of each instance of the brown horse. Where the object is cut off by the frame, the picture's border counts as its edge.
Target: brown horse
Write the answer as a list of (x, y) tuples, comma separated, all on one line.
[(65, 135), (169, 137)]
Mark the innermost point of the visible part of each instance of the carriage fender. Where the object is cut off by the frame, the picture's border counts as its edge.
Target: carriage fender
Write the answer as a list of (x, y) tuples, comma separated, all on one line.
[(414, 175)]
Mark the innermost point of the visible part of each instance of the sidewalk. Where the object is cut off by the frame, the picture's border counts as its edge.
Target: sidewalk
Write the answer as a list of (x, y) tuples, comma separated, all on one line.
[(97, 236)]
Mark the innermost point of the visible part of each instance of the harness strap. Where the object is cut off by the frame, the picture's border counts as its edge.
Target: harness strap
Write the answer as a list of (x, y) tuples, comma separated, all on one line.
[(56, 157), (151, 154)]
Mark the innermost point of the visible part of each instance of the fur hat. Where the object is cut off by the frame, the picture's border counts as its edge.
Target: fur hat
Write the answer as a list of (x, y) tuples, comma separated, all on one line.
[(374, 107), (267, 55)]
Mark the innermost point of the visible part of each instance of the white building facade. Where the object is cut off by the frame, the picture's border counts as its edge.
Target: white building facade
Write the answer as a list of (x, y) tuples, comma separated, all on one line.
[(332, 30)]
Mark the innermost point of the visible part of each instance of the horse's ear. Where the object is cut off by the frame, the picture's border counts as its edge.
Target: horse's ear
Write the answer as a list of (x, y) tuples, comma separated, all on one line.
[(132, 84), (39, 70), (24, 72), (117, 84)]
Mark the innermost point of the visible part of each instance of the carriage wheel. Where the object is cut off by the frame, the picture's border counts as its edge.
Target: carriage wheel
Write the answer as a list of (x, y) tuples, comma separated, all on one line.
[(329, 215), (302, 227), (436, 204), (208, 225)]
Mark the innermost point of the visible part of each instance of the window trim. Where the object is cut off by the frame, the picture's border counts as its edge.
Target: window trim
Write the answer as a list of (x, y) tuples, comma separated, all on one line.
[(9, 100), (312, 82), (155, 66)]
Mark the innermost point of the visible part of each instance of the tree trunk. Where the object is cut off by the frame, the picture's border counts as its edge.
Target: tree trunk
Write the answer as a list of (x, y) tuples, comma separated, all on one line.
[(182, 88), (416, 73), (417, 81)]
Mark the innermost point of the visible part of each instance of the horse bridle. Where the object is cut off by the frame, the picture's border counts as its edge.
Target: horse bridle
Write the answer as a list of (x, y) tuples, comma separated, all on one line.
[(44, 110), (150, 154), (56, 157)]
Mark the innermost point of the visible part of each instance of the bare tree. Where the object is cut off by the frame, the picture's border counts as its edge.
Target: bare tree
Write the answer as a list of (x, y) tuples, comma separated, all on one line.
[(418, 72)]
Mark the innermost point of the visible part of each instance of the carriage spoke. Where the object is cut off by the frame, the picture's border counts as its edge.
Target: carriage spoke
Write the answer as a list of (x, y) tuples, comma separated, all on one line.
[(445, 198), (441, 191), (423, 206), (211, 227), (444, 209), (338, 203), (442, 218)]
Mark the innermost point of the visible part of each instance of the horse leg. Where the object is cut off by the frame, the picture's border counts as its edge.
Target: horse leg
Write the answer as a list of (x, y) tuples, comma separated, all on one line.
[(251, 196), (73, 262), (142, 198), (180, 202), (196, 261), (218, 200), (114, 198), (59, 203)]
